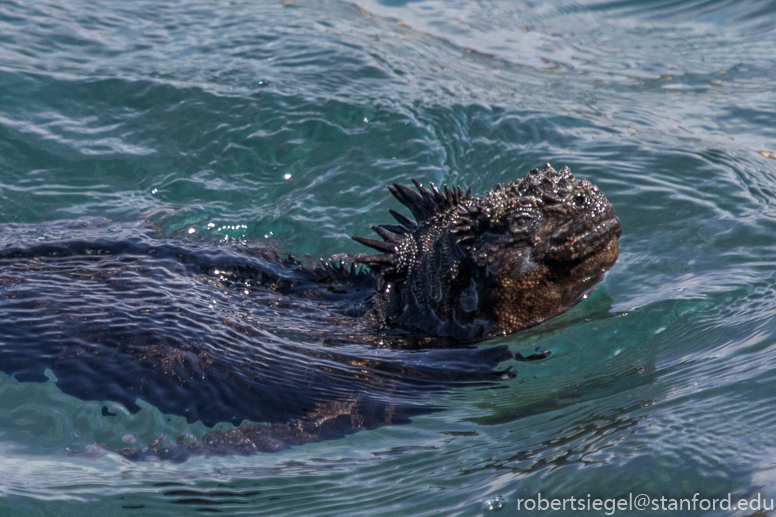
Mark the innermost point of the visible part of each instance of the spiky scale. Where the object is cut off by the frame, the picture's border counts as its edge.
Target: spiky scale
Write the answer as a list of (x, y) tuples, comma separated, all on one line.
[(440, 199), (428, 197), (378, 245), (449, 195), (386, 234), (407, 194), (411, 200), (395, 228), (388, 260), (403, 219)]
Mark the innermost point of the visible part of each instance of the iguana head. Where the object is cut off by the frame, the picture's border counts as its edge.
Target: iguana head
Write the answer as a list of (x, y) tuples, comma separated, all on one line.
[(522, 253)]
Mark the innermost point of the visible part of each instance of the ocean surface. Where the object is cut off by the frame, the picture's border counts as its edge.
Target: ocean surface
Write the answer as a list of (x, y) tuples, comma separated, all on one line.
[(232, 125)]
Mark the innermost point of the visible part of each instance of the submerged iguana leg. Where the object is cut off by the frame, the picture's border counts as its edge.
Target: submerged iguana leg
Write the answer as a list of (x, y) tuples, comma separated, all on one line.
[(538, 356), (328, 421)]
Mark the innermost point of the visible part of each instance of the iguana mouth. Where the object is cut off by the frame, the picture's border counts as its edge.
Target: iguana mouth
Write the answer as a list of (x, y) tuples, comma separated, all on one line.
[(574, 242)]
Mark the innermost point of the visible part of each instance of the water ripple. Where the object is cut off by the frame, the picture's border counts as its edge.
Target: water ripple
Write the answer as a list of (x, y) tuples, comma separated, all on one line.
[(233, 125)]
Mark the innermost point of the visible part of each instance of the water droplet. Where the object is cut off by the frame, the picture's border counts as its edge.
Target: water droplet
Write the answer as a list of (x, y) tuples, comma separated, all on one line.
[(192, 230), (286, 176), (154, 191), (366, 120), (211, 225), (495, 504), (262, 82)]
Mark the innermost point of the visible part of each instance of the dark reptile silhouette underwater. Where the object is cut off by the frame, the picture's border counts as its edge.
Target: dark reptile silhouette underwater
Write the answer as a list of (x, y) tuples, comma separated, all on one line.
[(292, 353)]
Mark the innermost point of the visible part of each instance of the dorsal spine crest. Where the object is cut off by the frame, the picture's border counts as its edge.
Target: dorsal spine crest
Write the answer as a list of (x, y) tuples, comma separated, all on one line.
[(430, 206)]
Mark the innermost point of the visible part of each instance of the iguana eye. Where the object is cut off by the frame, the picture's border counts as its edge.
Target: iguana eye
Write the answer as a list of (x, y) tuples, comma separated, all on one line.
[(580, 199), (522, 222)]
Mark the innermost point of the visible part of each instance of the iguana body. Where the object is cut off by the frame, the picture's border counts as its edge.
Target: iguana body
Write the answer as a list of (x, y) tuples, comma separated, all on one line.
[(294, 353)]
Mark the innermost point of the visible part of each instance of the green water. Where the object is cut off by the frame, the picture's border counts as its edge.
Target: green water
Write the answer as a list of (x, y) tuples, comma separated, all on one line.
[(282, 122)]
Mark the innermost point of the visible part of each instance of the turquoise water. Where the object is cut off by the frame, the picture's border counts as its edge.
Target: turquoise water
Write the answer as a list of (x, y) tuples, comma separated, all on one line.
[(282, 122)]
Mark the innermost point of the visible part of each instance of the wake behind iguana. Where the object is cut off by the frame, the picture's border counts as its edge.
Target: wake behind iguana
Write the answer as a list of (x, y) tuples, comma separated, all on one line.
[(287, 352)]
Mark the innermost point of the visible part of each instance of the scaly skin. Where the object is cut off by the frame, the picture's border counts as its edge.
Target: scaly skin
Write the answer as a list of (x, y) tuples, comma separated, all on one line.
[(244, 335), (467, 268), (475, 267)]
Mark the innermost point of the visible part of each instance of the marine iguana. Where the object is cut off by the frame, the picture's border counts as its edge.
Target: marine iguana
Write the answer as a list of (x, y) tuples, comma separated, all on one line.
[(289, 353), (473, 267)]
